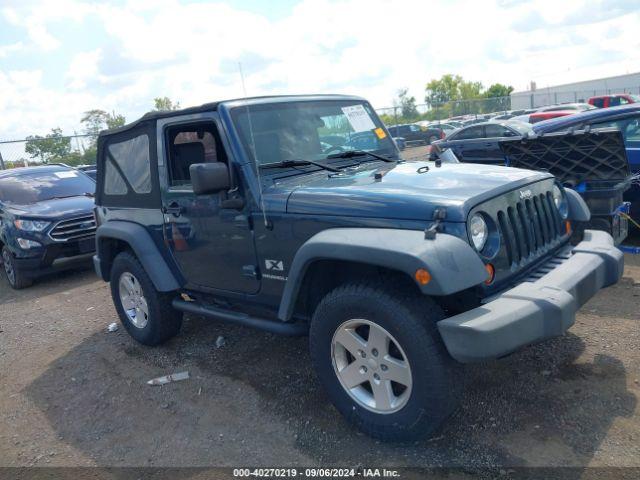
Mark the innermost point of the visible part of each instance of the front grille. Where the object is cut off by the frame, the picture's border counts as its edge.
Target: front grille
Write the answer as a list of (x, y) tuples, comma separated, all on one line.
[(529, 227), (74, 228)]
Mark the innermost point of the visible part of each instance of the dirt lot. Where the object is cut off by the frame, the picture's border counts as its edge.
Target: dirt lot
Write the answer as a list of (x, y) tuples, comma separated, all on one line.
[(73, 394), (416, 153)]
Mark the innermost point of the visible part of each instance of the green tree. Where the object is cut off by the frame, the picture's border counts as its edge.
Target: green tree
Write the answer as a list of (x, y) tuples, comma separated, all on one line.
[(443, 90), (97, 120), (470, 94), (498, 90), (54, 147), (115, 120), (387, 119), (407, 105), (164, 104), (498, 97), (453, 95)]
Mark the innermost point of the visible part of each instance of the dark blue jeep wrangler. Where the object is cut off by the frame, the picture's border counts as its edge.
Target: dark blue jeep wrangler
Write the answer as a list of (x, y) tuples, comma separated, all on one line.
[(297, 215)]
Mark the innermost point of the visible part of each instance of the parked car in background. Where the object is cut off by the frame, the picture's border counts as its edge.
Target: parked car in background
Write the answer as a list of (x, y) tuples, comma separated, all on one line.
[(448, 128), (401, 143), (548, 112), (46, 221), (606, 101), (454, 123), (89, 170), (473, 121), (415, 134), (626, 118), (576, 107), (479, 143), (536, 117)]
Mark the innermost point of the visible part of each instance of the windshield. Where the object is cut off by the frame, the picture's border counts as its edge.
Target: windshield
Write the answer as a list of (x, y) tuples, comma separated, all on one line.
[(310, 130), (39, 186), (522, 128)]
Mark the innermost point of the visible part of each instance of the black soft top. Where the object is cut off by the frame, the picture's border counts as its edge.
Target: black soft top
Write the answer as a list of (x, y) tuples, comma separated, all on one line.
[(212, 106), (153, 116)]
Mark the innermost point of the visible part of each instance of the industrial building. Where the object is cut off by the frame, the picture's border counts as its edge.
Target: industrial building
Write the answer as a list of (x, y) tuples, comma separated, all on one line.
[(575, 92)]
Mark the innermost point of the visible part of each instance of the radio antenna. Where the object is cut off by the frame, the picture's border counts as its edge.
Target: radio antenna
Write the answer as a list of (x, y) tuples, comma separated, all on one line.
[(253, 149)]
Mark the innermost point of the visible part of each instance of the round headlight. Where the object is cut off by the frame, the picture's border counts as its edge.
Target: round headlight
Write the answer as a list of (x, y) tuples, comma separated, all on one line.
[(560, 201), (478, 231)]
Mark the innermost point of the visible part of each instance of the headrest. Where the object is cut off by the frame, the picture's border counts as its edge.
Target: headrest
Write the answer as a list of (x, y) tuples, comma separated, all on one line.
[(191, 151)]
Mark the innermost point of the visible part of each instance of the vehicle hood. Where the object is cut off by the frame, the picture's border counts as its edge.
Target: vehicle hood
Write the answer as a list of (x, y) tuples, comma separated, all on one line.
[(57, 208), (400, 191)]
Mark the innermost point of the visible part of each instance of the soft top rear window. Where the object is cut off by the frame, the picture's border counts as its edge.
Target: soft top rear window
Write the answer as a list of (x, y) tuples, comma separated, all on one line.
[(127, 169), (132, 158)]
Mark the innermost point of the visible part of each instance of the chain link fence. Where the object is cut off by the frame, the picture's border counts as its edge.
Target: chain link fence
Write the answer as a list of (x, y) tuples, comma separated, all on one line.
[(476, 108), (71, 150), (485, 108)]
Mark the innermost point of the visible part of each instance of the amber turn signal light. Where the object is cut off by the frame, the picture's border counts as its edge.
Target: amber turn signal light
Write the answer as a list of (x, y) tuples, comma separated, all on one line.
[(491, 271), (567, 227), (422, 276)]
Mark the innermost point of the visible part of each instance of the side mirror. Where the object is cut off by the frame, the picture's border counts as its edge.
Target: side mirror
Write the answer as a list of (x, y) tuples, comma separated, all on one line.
[(209, 177)]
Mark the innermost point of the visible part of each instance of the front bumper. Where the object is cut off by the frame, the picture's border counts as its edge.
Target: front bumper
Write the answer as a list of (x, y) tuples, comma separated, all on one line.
[(55, 257), (538, 308)]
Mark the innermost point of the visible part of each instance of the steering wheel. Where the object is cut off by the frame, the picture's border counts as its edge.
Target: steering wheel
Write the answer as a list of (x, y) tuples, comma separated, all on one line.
[(333, 149)]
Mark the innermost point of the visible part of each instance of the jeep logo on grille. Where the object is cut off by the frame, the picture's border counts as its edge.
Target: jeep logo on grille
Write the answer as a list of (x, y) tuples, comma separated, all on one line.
[(525, 194)]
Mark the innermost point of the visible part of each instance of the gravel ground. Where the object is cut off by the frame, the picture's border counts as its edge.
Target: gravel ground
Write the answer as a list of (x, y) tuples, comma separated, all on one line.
[(72, 394), (416, 153)]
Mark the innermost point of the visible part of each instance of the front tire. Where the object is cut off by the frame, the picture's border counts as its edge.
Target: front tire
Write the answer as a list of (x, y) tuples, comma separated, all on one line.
[(145, 313), (17, 280), (382, 362)]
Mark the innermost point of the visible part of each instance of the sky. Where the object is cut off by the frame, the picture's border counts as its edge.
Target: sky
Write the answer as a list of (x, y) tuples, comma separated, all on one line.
[(60, 58)]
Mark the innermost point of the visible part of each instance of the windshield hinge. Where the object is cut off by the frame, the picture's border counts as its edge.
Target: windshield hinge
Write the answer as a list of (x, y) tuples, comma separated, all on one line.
[(439, 214)]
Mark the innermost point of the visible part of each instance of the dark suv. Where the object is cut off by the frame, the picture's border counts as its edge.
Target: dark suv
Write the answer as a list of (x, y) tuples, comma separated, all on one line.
[(246, 212), (415, 134), (46, 221)]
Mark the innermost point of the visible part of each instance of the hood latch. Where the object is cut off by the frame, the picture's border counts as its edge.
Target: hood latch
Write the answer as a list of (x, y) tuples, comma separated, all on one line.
[(439, 214)]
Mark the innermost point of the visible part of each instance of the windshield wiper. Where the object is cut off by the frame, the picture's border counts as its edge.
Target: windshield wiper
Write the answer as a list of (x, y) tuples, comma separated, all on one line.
[(361, 153), (298, 163)]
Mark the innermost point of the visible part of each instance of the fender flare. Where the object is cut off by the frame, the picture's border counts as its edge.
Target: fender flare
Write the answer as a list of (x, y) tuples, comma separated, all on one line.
[(452, 263), (145, 249)]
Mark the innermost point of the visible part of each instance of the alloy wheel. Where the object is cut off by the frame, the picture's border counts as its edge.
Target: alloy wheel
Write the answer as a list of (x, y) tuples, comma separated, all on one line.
[(371, 366), (132, 299)]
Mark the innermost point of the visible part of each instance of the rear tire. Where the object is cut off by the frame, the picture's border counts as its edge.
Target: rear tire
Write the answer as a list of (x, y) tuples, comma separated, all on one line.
[(427, 390), (145, 313), (17, 279)]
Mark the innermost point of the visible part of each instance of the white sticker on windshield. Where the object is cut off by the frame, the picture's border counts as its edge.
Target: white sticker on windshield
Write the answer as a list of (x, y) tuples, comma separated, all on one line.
[(358, 118), (65, 174)]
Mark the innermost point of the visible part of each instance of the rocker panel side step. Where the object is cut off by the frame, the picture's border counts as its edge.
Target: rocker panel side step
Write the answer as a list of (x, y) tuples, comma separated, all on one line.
[(277, 327)]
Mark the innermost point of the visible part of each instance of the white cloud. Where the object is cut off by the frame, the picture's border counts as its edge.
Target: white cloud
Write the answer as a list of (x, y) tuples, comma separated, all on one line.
[(83, 68), (190, 51), (10, 48)]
